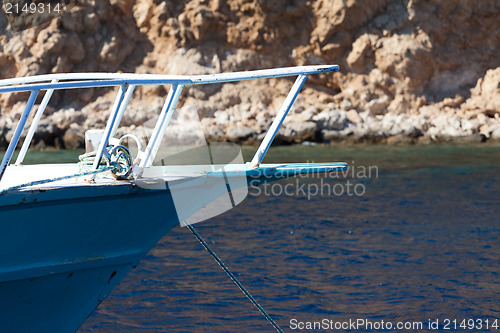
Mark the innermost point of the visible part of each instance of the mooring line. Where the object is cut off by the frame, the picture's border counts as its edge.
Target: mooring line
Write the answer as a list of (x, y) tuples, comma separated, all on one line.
[(235, 280)]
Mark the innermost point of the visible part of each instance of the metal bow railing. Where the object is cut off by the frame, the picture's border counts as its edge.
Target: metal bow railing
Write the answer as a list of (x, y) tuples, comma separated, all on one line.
[(127, 83)]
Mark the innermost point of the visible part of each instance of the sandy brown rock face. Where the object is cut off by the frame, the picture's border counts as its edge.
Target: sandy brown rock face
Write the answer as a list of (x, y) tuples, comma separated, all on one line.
[(410, 70)]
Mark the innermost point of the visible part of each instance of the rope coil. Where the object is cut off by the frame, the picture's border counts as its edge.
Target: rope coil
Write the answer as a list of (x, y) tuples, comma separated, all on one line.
[(118, 157)]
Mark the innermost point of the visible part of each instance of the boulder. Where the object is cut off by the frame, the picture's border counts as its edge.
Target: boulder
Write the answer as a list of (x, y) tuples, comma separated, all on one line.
[(331, 119), (297, 132), (239, 133), (73, 139)]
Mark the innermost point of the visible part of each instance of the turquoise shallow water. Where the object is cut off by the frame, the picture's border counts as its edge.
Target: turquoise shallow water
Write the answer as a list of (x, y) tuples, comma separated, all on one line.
[(420, 243)]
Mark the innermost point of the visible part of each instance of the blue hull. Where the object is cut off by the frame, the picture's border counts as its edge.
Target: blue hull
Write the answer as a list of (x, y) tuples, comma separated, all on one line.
[(60, 258)]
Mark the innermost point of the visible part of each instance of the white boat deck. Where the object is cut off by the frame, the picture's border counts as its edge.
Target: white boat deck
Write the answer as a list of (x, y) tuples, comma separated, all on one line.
[(16, 175)]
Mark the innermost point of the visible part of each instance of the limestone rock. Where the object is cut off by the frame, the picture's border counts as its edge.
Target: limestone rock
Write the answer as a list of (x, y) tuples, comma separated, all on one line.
[(73, 139), (297, 132), (361, 49), (332, 120), (239, 133)]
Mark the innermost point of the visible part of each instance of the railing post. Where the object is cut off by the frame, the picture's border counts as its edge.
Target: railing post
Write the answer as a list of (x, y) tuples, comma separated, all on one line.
[(109, 127), (17, 133), (161, 126), (278, 121), (34, 125), (121, 111)]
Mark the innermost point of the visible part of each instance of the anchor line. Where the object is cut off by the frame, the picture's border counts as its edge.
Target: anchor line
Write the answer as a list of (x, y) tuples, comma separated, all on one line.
[(233, 278)]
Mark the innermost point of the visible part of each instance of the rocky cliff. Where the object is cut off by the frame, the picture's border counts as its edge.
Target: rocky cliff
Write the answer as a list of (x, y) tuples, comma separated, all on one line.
[(411, 71)]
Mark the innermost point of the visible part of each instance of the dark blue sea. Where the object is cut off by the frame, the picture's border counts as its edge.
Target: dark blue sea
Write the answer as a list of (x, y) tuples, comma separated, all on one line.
[(416, 240)]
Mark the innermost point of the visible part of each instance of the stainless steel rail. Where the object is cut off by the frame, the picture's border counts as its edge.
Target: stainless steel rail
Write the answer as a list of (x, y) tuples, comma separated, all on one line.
[(127, 83)]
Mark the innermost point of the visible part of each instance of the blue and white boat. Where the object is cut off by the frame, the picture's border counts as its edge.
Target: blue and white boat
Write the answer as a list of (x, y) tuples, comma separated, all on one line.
[(70, 232)]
